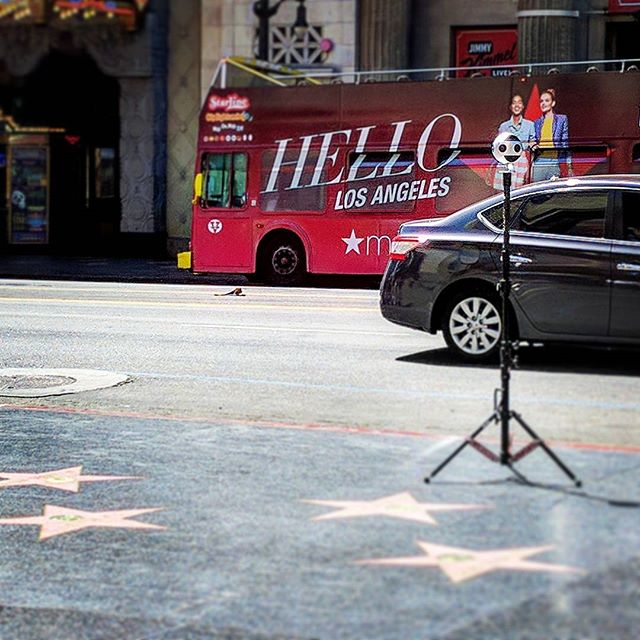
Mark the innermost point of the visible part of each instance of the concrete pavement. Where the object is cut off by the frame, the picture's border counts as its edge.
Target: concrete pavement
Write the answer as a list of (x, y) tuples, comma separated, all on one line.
[(132, 527), (110, 269), (115, 526), (144, 269)]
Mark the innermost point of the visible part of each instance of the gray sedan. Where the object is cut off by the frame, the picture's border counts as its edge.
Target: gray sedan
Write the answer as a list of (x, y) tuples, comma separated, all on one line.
[(575, 268)]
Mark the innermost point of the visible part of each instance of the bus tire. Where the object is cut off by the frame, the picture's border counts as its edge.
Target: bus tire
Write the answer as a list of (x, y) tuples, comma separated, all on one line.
[(282, 260)]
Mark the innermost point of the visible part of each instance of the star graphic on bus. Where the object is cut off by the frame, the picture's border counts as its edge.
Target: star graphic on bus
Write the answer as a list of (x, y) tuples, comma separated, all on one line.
[(68, 479), (461, 564), (352, 242), (400, 505), (55, 521)]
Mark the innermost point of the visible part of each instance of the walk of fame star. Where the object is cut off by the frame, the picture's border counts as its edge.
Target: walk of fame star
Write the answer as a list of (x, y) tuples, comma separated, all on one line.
[(399, 505), (66, 479), (352, 242), (461, 564), (56, 521)]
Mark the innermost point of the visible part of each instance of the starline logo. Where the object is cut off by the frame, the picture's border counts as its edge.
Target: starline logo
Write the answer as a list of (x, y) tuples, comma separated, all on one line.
[(232, 102)]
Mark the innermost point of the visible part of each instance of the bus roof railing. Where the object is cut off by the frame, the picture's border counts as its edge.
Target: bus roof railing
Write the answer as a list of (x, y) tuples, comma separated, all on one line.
[(445, 73), (285, 76), (259, 70)]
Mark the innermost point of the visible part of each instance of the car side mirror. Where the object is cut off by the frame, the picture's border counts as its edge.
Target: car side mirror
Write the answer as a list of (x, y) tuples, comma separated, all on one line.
[(197, 188)]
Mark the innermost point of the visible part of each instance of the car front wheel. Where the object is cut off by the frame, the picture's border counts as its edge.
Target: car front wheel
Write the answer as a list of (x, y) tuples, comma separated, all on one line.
[(472, 326)]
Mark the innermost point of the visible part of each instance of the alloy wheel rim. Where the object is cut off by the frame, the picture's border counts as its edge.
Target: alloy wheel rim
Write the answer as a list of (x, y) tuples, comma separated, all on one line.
[(475, 325), (284, 261)]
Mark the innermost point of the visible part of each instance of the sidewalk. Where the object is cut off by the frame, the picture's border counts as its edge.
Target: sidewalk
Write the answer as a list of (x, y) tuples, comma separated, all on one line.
[(144, 527), (154, 270), (109, 269)]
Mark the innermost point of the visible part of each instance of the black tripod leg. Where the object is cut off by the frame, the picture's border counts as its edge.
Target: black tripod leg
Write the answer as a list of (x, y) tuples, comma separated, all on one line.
[(548, 451), (494, 417)]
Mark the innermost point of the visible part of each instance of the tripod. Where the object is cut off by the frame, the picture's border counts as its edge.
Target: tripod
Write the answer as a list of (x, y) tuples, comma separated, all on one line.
[(502, 413)]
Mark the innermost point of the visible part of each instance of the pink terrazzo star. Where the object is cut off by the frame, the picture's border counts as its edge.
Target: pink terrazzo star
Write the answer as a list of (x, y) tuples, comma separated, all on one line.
[(399, 505), (65, 479), (461, 564), (56, 521)]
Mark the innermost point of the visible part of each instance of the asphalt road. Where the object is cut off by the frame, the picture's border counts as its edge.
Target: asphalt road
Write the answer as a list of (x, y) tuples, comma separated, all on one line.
[(303, 356), (260, 475)]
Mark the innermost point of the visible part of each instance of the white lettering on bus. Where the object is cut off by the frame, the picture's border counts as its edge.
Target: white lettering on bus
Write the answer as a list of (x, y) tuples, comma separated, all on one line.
[(277, 164), (302, 159), (408, 190), (379, 240), (326, 158), (324, 155), (352, 198), (455, 141), (360, 147)]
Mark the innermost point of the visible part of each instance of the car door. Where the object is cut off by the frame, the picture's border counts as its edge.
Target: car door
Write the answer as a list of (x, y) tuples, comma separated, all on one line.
[(560, 262), (625, 262)]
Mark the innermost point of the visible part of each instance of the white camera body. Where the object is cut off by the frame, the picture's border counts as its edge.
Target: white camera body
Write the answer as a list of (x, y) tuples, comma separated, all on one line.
[(506, 148)]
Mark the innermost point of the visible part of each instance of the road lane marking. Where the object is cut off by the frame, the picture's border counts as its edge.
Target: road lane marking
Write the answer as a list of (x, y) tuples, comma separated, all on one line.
[(187, 305), (206, 325), (201, 290)]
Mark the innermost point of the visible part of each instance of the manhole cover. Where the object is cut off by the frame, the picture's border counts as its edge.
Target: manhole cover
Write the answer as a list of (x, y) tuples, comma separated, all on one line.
[(33, 383)]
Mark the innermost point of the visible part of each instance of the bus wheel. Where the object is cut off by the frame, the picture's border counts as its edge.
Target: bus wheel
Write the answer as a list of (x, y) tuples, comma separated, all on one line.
[(283, 261)]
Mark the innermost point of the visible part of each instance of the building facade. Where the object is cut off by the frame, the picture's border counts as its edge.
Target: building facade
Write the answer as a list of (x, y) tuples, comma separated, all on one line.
[(103, 109), (98, 83)]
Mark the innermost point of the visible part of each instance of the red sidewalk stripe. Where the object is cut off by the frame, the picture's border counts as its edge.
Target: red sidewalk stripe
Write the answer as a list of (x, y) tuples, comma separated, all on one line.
[(305, 426)]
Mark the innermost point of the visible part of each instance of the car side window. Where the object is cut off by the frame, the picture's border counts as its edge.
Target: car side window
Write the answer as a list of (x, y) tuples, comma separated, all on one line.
[(494, 215), (631, 216), (568, 214)]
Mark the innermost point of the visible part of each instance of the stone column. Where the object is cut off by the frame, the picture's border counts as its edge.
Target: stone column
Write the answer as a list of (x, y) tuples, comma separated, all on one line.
[(383, 34), (185, 87), (138, 60), (548, 30), (136, 155)]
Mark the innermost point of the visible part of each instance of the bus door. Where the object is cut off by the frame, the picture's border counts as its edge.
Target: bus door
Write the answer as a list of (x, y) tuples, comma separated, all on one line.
[(221, 236)]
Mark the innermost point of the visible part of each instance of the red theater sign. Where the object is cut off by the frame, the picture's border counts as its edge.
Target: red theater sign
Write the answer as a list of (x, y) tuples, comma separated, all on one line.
[(624, 6), (485, 47)]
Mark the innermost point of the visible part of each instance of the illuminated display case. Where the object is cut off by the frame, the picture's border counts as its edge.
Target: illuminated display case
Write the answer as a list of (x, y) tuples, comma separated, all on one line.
[(28, 189)]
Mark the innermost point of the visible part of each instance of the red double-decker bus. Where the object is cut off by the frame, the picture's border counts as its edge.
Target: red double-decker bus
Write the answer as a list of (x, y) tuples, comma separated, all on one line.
[(317, 178)]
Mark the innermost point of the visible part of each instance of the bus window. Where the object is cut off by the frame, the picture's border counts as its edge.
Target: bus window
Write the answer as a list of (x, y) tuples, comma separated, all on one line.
[(591, 160), (635, 157), (380, 164), (225, 180), (291, 190), (389, 179), (473, 175)]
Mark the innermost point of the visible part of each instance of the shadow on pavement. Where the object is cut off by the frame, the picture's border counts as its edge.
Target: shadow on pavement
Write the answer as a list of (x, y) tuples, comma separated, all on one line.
[(553, 359)]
